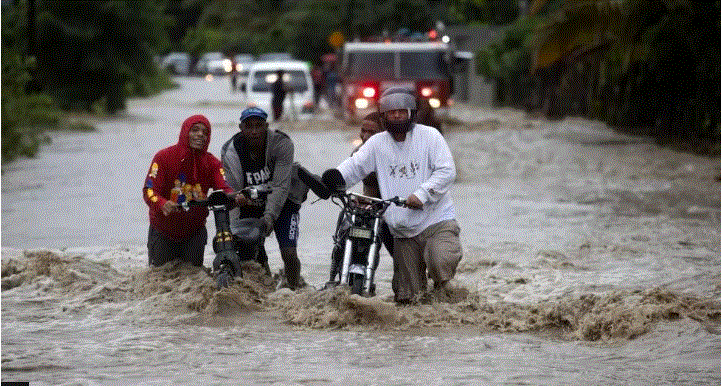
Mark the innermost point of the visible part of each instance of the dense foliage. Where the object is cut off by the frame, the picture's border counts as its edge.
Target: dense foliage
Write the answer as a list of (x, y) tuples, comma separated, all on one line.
[(81, 55), (92, 52), (24, 114), (302, 27), (649, 67)]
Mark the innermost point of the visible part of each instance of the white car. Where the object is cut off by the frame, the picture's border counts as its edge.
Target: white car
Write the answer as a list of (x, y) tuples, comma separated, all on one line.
[(213, 63), (242, 66), (298, 83)]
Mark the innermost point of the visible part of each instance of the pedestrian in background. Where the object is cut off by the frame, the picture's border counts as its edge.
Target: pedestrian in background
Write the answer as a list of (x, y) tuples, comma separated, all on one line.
[(279, 91)]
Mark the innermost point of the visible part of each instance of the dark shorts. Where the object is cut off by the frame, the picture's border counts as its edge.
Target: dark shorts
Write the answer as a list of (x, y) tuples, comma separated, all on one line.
[(162, 249), (286, 226)]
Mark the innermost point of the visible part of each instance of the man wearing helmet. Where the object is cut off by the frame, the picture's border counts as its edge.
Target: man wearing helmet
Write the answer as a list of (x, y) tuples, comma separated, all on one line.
[(412, 161)]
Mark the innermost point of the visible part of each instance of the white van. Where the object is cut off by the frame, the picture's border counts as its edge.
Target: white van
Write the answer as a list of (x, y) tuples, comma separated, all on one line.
[(298, 82)]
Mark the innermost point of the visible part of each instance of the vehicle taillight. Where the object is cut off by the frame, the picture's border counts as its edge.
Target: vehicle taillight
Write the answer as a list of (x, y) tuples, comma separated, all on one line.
[(369, 92), (426, 92)]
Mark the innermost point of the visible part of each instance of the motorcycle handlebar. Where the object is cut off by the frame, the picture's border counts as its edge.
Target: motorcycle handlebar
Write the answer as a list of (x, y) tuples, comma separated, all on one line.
[(315, 184), (219, 197), (394, 200)]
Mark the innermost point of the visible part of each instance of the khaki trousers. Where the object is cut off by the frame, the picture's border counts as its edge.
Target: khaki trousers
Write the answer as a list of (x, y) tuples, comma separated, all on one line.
[(437, 249)]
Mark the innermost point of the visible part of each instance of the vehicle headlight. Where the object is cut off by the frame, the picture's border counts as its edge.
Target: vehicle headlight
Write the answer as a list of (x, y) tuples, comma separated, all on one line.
[(369, 92), (227, 65), (434, 102), (361, 103), (426, 92)]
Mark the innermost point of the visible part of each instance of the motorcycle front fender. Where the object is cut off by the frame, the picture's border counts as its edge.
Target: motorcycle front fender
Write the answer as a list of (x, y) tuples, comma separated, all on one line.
[(227, 257)]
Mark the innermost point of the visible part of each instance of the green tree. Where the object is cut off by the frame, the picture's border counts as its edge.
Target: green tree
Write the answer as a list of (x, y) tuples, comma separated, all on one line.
[(99, 52), (301, 27), (24, 113), (496, 12), (651, 66)]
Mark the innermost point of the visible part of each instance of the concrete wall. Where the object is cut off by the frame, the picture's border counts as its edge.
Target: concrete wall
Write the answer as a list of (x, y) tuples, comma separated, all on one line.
[(470, 87)]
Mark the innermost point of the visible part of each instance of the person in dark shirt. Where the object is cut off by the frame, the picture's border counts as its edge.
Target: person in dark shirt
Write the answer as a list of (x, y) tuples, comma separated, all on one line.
[(278, 95), (259, 156)]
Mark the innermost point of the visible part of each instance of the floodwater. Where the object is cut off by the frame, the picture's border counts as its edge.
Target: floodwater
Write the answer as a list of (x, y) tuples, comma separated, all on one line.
[(589, 257)]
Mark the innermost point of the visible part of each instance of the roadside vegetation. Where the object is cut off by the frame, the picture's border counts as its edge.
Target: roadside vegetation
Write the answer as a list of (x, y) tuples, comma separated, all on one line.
[(647, 67), (63, 59)]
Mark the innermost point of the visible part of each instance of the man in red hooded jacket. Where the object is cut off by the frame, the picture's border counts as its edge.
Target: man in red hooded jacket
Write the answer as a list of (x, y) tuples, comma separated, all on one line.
[(178, 173)]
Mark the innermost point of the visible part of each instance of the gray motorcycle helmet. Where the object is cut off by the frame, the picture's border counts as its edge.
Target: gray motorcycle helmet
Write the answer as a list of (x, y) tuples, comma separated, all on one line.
[(396, 98)]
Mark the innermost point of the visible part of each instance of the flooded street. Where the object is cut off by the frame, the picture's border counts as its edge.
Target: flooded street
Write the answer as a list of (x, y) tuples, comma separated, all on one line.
[(591, 258)]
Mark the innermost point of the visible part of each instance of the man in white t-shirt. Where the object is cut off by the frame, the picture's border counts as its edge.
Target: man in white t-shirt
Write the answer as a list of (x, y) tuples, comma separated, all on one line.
[(412, 161)]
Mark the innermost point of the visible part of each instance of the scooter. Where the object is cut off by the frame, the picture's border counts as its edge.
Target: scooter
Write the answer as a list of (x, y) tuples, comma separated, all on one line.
[(356, 240), (231, 249)]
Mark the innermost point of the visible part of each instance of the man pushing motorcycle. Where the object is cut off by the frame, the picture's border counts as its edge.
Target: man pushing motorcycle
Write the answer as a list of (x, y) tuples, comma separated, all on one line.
[(177, 174), (413, 161), (256, 156)]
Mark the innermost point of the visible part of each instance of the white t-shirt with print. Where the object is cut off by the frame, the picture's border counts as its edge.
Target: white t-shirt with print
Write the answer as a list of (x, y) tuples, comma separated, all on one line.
[(422, 165)]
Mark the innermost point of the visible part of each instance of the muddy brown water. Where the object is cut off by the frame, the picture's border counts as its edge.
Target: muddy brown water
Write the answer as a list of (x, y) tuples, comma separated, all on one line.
[(589, 258)]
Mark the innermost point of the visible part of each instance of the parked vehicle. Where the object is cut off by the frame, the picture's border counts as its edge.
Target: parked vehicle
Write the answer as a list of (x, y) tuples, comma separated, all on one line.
[(213, 63), (242, 63), (298, 83), (231, 249), (367, 69), (176, 63), (274, 57)]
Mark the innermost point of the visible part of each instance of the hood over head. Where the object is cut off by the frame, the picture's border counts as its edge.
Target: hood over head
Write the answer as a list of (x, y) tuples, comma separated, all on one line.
[(184, 138)]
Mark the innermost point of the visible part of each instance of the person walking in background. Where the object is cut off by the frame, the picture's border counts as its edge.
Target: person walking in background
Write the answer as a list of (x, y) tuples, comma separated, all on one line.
[(278, 97), (318, 81), (179, 173), (412, 161), (255, 156), (331, 79), (233, 78)]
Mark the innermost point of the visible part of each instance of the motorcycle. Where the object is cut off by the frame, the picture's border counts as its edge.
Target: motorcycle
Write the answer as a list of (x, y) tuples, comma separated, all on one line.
[(356, 239), (232, 249)]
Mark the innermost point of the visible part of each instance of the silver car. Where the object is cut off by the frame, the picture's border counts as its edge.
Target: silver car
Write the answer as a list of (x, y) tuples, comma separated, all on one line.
[(214, 63), (176, 63)]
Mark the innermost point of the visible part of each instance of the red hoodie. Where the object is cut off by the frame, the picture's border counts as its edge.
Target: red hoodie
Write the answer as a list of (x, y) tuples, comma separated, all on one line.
[(180, 173)]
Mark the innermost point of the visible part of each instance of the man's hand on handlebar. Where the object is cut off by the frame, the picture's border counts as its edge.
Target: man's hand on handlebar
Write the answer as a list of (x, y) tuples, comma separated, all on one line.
[(268, 221), (241, 200), (413, 202), (170, 207)]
